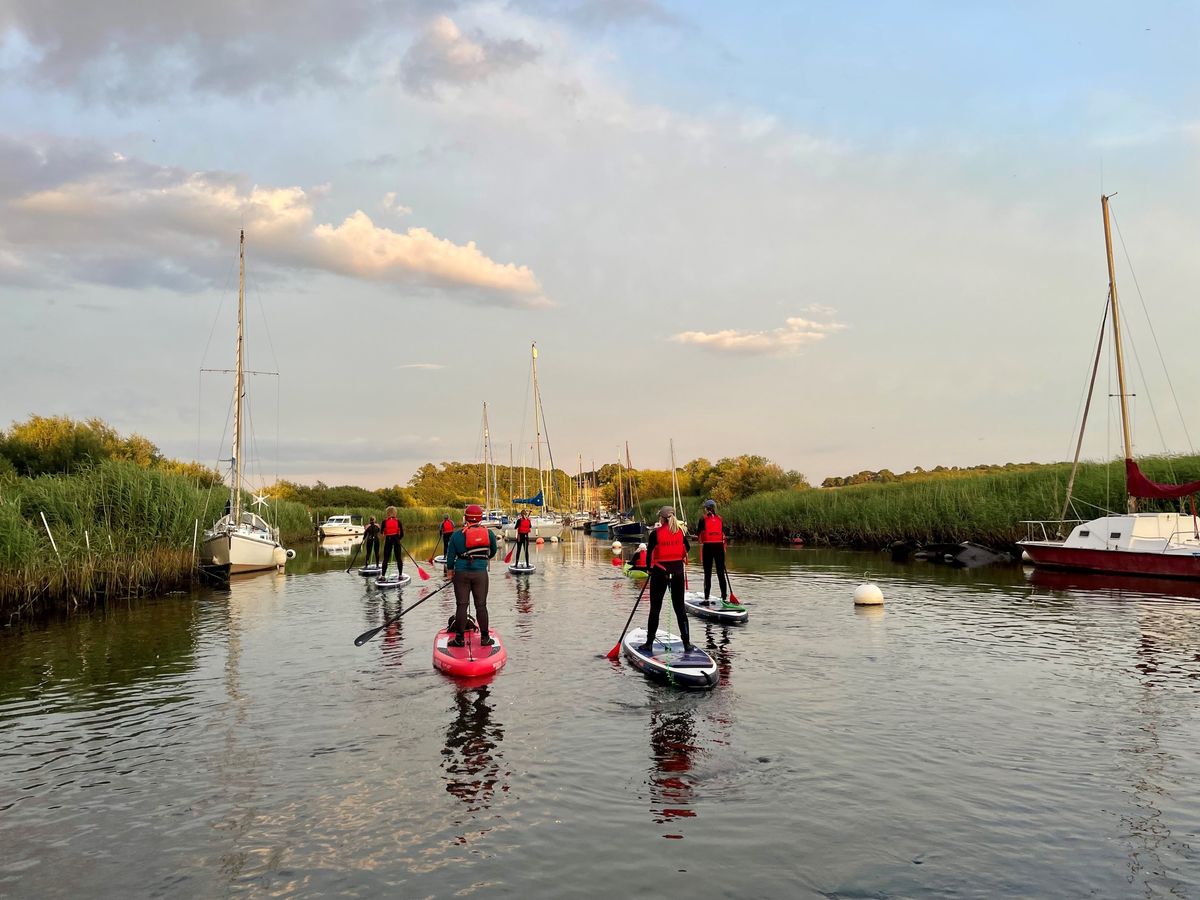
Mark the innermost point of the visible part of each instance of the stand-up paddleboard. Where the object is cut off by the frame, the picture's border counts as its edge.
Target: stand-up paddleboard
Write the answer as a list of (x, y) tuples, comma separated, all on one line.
[(714, 609), (440, 559), (470, 661), (635, 574), (393, 581), (371, 571), (522, 569), (668, 662)]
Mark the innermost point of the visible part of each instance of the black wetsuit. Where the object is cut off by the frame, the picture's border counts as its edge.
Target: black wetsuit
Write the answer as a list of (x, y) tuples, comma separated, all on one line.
[(371, 543), (523, 543), (712, 553), (391, 547), (663, 574)]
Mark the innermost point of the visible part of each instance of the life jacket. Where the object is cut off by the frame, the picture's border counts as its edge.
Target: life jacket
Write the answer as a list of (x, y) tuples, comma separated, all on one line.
[(447, 525), (477, 541), (391, 527), (524, 525), (639, 559), (712, 531), (668, 547)]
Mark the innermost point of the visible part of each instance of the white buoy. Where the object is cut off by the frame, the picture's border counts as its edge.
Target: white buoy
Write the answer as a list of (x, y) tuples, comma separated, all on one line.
[(868, 595), (616, 547)]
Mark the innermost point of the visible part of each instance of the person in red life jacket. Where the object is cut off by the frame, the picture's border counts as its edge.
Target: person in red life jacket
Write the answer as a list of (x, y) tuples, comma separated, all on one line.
[(524, 527), (447, 530), (666, 550), (712, 549), (638, 560), (467, 555), (393, 534), (371, 541)]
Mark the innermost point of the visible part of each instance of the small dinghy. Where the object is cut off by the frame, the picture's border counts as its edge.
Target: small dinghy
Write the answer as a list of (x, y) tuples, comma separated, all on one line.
[(522, 569), (667, 661), (371, 571), (393, 581), (470, 661), (635, 574), (714, 609)]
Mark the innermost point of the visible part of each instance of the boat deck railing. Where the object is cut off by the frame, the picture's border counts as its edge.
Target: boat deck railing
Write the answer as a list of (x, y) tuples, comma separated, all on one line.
[(1036, 529)]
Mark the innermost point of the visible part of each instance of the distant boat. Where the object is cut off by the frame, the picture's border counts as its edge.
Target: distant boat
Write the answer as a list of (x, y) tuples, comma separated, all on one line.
[(241, 540), (546, 525), (341, 527), (1165, 544)]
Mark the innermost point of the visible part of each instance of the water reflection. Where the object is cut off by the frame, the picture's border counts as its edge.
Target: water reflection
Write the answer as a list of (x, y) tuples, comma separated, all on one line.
[(340, 546), (673, 747), (471, 760)]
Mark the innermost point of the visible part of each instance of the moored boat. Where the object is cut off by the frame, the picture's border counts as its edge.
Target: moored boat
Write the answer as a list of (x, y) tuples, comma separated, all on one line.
[(341, 527)]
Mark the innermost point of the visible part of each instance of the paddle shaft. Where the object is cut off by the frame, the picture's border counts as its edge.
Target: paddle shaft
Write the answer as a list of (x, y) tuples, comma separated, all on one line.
[(616, 650), (353, 557), (367, 635), (424, 574)]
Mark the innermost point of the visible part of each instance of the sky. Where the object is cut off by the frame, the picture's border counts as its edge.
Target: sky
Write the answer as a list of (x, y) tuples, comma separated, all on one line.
[(843, 235)]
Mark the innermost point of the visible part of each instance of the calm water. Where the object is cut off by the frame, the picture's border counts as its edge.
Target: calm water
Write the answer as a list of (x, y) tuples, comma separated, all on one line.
[(979, 736)]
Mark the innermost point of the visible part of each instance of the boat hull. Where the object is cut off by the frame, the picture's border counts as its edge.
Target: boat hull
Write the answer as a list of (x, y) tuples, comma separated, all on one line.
[(1123, 562), (241, 552)]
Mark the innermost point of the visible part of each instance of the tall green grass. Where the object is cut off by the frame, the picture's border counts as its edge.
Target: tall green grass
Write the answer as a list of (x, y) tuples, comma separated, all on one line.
[(987, 508), (120, 531)]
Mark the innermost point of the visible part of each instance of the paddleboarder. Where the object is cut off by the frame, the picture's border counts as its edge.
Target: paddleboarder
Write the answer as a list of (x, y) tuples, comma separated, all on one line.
[(371, 541), (447, 530), (467, 556), (666, 549), (524, 527), (712, 549), (393, 534)]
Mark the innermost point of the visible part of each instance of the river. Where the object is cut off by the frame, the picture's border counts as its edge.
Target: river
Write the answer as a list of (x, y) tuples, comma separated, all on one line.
[(979, 735)]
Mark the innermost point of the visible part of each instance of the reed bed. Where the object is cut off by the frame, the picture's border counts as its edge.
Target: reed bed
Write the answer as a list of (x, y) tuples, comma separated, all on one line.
[(119, 531), (987, 508)]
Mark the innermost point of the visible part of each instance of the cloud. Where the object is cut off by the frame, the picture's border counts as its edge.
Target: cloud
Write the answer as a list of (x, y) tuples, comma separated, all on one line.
[(443, 55), (390, 204), (130, 51), (602, 14), (795, 333), (72, 209)]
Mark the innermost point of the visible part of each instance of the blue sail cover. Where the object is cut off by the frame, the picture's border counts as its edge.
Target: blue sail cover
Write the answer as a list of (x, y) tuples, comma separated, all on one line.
[(535, 500)]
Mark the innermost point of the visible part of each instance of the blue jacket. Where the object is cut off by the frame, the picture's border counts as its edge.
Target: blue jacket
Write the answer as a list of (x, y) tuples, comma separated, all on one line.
[(458, 546)]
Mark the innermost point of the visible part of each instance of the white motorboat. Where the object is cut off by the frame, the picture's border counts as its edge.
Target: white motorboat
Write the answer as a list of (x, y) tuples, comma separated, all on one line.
[(341, 526)]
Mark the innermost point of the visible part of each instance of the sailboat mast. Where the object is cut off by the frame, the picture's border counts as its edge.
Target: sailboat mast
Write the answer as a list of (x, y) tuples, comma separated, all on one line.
[(1116, 323), (239, 388), (676, 499), (487, 483), (537, 425), (510, 473)]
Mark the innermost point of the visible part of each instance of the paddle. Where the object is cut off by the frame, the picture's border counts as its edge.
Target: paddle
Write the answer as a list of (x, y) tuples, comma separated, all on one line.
[(508, 555), (424, 575), (732, 596), (616, 650), (433, 552), (353, 557), (367, 635)]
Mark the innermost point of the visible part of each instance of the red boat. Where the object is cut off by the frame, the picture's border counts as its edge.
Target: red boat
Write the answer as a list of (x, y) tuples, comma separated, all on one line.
[(1164, 544)]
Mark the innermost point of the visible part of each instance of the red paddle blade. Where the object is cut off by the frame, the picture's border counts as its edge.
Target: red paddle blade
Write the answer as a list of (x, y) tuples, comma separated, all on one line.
[(424, 575), (615, 651), (733, 598), (508, 555)]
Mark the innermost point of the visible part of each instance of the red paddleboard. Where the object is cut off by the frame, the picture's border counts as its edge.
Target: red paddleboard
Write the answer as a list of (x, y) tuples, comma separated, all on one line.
[(470, 661)]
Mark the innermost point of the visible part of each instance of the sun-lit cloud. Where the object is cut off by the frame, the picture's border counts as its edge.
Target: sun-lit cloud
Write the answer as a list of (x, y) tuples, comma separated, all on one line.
[(100, 217), (444, 55), (795, 333)]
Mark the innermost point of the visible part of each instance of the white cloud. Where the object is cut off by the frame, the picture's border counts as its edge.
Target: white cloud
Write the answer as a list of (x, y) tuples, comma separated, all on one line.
[(106, 219), (795, 333), (390, 204)]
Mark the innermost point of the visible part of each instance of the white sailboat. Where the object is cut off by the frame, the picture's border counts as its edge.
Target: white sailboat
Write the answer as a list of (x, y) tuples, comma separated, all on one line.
[(492, 517), (241, 540), (545, 524)]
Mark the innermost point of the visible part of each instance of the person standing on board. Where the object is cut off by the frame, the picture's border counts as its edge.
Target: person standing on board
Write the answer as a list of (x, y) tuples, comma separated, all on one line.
[(666, 550), (524, 527), (467, 556), (447, 530), (712, 549), (393, 534), (371, 541)]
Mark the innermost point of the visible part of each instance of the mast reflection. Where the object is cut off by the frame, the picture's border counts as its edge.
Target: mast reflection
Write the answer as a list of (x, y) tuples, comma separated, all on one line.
[(470, 759)]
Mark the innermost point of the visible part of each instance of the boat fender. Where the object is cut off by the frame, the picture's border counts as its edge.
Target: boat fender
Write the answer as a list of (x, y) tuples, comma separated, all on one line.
[(868, 595), (540, 541), (291, 554)]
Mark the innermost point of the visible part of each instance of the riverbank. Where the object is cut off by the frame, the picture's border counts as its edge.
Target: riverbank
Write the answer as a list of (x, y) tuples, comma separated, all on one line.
[(118, 531), (986, 508)]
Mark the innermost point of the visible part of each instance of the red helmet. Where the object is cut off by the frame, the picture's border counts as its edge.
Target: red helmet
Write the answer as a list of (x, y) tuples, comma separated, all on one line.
[(473, 513)]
